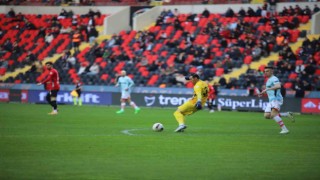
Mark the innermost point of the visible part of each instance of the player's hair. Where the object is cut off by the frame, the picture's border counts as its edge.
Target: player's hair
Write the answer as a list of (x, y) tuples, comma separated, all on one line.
[(49, 63), (194, 75)]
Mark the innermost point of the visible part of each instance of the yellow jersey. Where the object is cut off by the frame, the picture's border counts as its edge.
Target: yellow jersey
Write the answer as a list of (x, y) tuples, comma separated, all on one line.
[(200, 92)]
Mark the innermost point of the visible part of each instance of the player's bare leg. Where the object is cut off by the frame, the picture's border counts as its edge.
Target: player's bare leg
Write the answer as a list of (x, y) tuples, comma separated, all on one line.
[(123, 105), (275, 115), (136, 108), (290, 115)]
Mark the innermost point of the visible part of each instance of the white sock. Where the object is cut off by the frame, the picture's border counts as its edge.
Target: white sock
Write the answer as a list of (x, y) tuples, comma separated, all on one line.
[(133, 105), (280, 122), (122, 106), (285, 114)]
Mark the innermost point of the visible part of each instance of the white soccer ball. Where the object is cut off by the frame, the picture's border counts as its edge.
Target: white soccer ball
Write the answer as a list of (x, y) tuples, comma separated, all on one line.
[(158, 127)]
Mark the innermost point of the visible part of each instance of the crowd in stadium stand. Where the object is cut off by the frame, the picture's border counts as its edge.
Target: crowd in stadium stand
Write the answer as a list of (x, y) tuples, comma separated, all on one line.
[(208, 44)]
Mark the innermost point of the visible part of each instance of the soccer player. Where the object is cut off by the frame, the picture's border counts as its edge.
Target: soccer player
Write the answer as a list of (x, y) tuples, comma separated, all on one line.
[(126, 83), (272, 110), (52, 86), (77, 99), (211, 97), (198, 100)]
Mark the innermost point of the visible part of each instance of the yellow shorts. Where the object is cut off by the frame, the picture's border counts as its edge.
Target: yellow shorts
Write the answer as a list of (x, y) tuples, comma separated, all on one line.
[(187, 108)]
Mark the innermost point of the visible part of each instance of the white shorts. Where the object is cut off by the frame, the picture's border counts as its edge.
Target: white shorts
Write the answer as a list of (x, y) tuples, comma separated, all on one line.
[(125, 94), (275, 104)]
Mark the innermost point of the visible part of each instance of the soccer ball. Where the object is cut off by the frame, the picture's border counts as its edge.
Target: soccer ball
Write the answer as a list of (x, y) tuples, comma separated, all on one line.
[(158, 127)]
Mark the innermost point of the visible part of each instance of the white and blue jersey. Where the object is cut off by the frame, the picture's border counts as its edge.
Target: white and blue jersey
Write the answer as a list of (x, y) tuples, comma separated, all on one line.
[(125, 83), (273, 94)]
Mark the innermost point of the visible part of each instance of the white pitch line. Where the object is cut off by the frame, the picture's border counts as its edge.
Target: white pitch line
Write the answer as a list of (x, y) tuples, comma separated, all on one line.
[(128, 131), (57, 135)]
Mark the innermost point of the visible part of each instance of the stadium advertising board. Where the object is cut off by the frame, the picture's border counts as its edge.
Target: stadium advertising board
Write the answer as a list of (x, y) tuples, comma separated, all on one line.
[(4, 95), (226, 102), (15, 95), (64, 97), (24, 96), (310, 105)]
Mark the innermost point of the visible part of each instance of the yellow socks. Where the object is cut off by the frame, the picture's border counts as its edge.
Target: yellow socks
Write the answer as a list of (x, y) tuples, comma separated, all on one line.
[(179, 117)]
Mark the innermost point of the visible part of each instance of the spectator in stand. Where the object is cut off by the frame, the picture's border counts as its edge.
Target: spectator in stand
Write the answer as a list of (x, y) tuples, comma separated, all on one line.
[(11, 13), (273, 6), (16, 49), (8, 46), (91, 21), (307, 12), (76, 40), (71, 61), (316, 9), (74, 21), (94, 69), (256, 52), (229, 13), (83, 69), (3, 63), (299, 68), (92, 33), (31, 58), (30, 26), (177, 25), (63, 14), (297, 10), (252, 90), (176, 12), (180, 58), (163, 35), (280, 41), (48, 38), (258, 12), (250, 12), (299, 89), (205, 13), (65, 56), (223, 81), (242, 12), (295, 22)]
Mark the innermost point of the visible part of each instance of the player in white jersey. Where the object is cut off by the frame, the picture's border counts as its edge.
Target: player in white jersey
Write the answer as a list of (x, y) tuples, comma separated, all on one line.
[(125, 83), (272, 110)]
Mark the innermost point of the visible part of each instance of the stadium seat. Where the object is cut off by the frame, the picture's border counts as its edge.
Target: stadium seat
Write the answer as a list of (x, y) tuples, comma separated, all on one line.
[(287, 85), (219, 72), (247, 60), (2, 71), (104, 77), (293, 76)]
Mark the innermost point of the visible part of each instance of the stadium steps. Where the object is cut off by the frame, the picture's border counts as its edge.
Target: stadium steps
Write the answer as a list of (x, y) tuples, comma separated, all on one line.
[(264, 61), (257, 1), (55, 57), (51, 59)]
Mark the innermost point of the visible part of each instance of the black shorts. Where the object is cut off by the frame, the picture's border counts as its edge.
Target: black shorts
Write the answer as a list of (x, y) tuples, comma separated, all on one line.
[(79, 92), (53, 93)]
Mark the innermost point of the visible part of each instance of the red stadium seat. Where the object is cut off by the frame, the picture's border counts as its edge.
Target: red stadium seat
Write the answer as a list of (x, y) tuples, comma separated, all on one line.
[(104, 77), (247, 60), (293, 76), (219, 71), (287, 85)]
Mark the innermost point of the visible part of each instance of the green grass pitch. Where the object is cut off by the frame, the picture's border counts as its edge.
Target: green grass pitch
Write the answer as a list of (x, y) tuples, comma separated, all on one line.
[(93, 142)]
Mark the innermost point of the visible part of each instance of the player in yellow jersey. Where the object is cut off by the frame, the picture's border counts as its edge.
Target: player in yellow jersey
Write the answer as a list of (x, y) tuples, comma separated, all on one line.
[(198, 100)]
